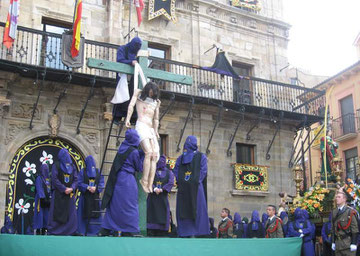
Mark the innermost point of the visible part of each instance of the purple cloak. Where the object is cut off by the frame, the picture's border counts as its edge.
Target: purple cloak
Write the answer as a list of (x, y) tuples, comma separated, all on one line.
[(122, 214), (93, 229), (161, 174), (201, 226), (69, 228)]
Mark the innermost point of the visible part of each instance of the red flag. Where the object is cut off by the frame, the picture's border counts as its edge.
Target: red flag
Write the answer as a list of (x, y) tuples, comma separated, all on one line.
[(139, 4), (75, 47), (11, 23)]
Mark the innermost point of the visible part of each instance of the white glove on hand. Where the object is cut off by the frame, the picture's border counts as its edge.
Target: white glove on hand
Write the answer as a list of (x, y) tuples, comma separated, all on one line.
[(302, 235), (353, 247), (333, 246)]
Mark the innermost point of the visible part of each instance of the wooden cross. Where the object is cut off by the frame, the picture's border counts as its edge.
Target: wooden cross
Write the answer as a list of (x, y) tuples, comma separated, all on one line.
[(143, 61)]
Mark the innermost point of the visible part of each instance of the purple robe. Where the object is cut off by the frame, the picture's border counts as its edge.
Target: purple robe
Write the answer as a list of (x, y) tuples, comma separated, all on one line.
[(69, 228), (93, 229), (40, 214), (168, 186), (299, 223), (201, 226), (122, 213)]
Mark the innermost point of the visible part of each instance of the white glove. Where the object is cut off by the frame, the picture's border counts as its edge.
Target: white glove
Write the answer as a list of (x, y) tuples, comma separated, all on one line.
[(333, 246), (302, 235), (353, 247)]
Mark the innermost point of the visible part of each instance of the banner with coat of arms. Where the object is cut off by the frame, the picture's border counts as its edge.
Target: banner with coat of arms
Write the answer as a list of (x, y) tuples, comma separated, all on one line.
[(251, 4), (162, 7), (251, 177)]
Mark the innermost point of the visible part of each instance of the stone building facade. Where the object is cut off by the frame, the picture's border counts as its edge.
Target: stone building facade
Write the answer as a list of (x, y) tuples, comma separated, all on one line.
[(256, 42)]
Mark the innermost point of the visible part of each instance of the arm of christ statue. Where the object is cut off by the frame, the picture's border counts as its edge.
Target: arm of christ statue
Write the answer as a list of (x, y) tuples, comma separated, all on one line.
[(156, 119), (131, 107)]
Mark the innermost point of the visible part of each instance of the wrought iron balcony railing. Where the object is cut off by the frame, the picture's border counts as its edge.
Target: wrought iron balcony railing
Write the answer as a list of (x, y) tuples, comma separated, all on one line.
[(344, 125), (43, 49)]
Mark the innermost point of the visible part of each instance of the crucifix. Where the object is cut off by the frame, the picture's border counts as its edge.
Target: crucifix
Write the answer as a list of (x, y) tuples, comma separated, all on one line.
[(149, 73)]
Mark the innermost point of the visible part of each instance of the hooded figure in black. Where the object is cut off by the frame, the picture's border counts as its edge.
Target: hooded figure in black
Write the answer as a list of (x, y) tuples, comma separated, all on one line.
[(158, 208), (127, 54), (255, 227)]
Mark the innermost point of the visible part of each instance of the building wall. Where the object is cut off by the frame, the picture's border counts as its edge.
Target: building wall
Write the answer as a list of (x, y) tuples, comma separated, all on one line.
[(255, 39), (14, 132), (343, 86)]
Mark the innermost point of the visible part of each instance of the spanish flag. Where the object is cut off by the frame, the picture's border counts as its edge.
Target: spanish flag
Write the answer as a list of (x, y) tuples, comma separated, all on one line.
[(11, 23), (75, 47)]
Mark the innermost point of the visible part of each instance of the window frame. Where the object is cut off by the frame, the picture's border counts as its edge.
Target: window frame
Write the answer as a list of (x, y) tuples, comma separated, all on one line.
[(252, 148)]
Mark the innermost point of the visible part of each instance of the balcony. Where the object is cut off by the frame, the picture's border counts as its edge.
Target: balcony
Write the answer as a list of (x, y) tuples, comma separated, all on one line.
[(345, 127), (35, 50)]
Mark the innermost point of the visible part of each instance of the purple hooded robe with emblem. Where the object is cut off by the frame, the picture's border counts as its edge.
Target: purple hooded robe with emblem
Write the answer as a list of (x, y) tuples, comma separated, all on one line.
[(42, 182), (301, 223), (122, 213), (201, 226), (67, 166), (161, 171), (90, 170)]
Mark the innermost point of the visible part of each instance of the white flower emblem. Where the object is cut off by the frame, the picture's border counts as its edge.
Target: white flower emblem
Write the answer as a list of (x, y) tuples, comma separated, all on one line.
[(29, 182), (21, 207), (29, 168), (46, 158)]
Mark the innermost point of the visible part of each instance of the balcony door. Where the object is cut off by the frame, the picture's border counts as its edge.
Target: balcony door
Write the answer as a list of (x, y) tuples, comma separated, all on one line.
[(242, 92), (347, 115)]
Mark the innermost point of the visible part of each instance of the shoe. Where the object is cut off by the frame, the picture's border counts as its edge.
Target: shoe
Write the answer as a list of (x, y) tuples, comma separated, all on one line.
[(104, 232)]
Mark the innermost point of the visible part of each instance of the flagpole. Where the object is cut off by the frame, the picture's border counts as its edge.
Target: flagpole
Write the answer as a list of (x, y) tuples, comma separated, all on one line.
[(130, 4), (76, 1)]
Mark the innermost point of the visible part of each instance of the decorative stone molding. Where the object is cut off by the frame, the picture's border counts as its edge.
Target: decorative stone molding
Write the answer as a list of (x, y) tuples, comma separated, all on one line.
[(252, 24), (25, 110), (13, 130), (212, 11), (92, 138), (235, 192), (271, 29), (54, 123), (233, 19), (4, 105), (90, 118)]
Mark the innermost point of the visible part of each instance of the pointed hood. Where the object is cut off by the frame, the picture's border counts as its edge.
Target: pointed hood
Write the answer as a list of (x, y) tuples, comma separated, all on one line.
[(255, 220), (190, 148), (90, 166), (132, 139), (237, 218), (66, 164)]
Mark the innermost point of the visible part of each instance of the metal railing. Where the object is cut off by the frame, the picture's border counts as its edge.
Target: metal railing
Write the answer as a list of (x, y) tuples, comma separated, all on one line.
[(43, 49), (344, 125), (358, 119)]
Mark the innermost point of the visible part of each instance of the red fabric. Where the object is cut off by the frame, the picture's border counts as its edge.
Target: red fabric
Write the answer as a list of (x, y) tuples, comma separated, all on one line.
[(349, 222), (7, 40), (139, 4), (74, 49), (269, 231)]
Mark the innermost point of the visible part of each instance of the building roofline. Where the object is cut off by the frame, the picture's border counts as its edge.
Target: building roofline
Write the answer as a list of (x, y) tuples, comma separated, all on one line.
[(343, 72)]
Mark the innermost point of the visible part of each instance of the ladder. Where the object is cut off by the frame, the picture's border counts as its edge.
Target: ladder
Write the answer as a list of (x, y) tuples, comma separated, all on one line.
[(114, 137)]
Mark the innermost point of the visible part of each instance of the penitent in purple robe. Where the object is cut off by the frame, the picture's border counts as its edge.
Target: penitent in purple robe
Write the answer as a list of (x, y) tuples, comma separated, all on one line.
[(93, 229), (300, 223), (70, 227), (161, 173), (122, 213), (201, 226), (42, 182)]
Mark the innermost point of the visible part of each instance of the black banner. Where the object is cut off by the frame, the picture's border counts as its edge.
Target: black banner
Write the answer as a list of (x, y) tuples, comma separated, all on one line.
[(162, 7)]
